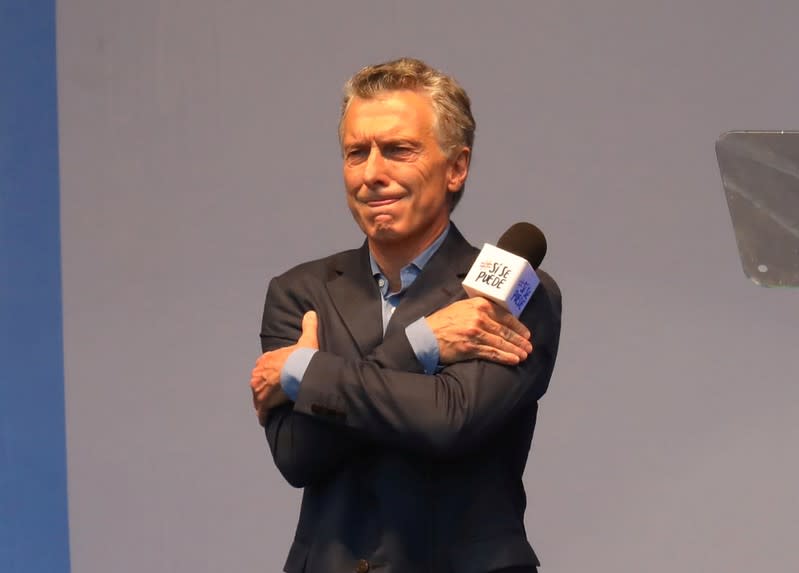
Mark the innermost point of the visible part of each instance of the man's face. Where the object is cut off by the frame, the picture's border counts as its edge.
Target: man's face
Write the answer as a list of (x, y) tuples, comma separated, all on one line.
[(396, 175)]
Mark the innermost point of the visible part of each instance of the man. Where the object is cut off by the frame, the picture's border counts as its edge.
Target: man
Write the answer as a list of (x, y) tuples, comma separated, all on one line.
[(404, 410)]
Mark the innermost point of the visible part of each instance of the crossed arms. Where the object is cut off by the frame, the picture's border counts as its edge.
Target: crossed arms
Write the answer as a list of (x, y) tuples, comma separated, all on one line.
[(490, 369)]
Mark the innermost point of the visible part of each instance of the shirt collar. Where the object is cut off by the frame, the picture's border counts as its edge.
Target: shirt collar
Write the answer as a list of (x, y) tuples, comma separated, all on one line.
[(417, 264)]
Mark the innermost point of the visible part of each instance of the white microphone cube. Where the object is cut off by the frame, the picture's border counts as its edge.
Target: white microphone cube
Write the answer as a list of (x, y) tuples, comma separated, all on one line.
[(502, 277)]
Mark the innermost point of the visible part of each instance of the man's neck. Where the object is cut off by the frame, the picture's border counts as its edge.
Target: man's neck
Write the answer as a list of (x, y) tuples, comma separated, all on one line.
[(393, 256)]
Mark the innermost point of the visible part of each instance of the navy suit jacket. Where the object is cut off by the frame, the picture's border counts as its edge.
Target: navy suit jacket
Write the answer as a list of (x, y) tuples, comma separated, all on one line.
[(403, 472)]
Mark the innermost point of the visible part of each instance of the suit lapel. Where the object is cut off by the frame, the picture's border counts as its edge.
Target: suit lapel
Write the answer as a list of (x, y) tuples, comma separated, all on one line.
[(439, 284), (357, 299)]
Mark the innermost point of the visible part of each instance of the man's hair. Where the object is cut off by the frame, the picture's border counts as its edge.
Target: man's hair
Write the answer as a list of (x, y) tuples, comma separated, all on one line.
[(454, 122)]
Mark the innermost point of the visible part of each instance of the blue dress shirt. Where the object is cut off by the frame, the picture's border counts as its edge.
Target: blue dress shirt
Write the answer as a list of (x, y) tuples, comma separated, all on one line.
[(420, 336)]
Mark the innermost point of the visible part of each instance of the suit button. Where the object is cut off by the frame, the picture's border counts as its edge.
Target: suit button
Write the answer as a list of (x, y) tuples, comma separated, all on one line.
[(362, 567)]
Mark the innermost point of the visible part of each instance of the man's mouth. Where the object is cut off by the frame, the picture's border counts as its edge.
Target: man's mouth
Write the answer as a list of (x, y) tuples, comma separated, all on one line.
[(382, 202)]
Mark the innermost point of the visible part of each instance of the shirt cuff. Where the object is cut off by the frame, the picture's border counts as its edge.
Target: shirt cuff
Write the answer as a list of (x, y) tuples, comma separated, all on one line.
[(424, 344), (294, 369)]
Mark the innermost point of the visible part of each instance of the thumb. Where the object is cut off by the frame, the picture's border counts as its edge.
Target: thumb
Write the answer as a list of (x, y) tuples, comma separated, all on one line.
[(310, 324)]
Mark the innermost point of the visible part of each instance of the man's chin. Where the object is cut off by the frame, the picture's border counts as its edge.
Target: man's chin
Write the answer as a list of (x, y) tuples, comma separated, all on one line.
[(386, 231), (385, 234)]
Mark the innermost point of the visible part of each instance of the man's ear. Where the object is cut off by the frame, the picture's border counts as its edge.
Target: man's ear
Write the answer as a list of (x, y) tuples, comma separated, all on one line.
[(458, 169)]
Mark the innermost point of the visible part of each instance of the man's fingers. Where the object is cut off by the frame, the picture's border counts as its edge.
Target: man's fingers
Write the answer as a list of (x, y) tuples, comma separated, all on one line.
[(511, 337), (502, 344), (309, 322), (255, 379), (503, 333), (310, 325), (518, 341), (502, 316), (494, 354), (508, 320)]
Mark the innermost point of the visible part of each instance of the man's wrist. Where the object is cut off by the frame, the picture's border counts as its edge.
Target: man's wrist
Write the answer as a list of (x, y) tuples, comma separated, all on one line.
[(294, 369), (424, 344)]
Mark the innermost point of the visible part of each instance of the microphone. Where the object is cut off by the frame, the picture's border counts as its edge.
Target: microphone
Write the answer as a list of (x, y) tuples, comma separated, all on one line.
[(505, 274)]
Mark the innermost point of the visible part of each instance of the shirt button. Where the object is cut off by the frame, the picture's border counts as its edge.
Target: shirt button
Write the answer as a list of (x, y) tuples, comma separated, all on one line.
[(362, 567), (381, 283)]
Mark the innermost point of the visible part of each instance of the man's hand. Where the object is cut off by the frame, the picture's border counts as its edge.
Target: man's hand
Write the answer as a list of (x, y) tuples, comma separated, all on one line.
[(265, 379), (478, 328)]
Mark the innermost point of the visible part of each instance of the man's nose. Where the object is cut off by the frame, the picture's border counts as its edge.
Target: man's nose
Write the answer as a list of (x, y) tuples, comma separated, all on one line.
[(375, 169)]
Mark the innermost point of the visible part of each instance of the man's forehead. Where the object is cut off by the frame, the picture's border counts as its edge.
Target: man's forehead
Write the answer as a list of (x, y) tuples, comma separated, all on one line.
[(400, 112), (396, 130)]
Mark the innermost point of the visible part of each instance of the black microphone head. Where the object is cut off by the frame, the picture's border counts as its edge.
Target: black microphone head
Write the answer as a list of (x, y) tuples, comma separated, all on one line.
[(525, 240)]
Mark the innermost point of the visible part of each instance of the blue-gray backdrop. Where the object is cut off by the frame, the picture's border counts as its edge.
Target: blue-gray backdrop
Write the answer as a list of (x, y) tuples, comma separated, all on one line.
[(198, 158)]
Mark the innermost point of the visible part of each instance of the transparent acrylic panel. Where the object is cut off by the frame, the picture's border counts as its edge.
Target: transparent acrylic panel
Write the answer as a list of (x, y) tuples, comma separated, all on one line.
[(760, 174)]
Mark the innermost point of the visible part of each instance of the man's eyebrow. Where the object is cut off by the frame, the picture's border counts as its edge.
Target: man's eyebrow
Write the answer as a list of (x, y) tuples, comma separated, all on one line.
[(400, 140), (355, 142), (381, 141)]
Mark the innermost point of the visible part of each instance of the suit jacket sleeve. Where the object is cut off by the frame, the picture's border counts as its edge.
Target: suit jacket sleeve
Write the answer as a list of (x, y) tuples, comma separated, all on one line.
[(386, 397), (305, 449)]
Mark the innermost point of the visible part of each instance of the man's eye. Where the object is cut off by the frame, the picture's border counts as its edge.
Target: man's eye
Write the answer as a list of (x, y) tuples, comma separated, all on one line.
[(356, 155), (398, 151)]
